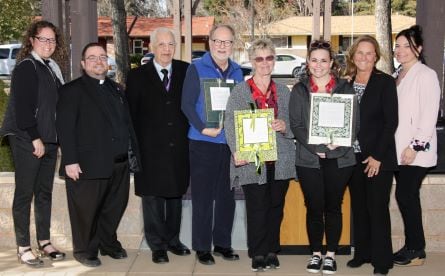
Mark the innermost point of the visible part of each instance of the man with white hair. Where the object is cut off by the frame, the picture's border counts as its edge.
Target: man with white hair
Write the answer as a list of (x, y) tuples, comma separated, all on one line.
[(154, 93)]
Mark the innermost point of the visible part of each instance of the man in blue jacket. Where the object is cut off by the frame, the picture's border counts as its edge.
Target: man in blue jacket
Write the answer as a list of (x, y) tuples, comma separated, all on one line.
[(209, 153)]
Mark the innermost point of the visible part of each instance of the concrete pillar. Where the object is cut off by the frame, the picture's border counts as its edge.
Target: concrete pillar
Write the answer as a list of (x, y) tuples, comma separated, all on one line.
[(431, 16), (83, 29)]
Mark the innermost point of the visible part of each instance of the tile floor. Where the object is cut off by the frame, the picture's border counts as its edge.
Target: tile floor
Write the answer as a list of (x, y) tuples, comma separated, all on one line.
[(139, 263)]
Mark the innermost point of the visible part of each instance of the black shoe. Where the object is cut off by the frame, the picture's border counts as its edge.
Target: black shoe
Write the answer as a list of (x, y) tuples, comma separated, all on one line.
[(55, 255), (314, 264), (205, 257), (258, 263), (179, 249), (159, 257), (272, 261), (88, 261), (226, 253), (357, 262), (407, 257), (380, 271), (115, 254), (329, 266)]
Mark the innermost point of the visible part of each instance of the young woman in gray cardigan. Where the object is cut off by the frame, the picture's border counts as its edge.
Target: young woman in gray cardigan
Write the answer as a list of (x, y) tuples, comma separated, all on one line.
[(323, 170), (264, 191)]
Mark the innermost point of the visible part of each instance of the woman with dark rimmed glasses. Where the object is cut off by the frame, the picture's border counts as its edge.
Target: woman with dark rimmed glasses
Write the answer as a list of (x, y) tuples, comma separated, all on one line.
[(323, 170), (30, 126)]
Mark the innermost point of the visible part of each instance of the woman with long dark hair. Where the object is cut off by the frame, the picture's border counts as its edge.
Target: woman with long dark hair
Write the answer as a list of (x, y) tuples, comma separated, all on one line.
[(29, 124), (418, 94)]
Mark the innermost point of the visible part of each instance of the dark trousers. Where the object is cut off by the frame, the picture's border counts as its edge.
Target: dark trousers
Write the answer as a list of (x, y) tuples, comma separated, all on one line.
[(409, 180), (34, 177), (162, 221), (371, 219), (96, 207), (213, 203), (264, 210), (323, 191)]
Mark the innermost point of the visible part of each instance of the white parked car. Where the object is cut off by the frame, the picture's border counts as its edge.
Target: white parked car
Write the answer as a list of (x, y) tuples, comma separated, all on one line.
[(8, 53), (111, 68), (285, 65)]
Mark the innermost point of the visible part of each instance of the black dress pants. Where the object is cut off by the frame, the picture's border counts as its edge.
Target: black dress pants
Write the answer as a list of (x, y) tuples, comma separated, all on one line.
[(409, 180), (96, 207), (371, 219), (213, 203), (264, 210), (162, 221), (34, 177), (323, 191)]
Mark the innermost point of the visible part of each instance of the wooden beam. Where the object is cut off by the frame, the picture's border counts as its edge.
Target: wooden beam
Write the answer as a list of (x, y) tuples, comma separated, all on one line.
[(327, 20), (188, 30), (430, 15), (316, 20), (177, 28)]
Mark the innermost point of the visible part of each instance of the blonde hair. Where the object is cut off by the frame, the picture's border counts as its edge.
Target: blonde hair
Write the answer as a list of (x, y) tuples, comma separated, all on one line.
[(351, 69)]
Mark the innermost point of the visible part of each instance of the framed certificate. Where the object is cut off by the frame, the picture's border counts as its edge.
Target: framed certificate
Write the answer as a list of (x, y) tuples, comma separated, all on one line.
[(216, 93), (255, 138), (332, 119)]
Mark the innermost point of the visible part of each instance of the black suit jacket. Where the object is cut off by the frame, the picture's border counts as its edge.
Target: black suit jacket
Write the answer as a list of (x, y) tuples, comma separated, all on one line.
[(379, 120), (161, 129), (84, 128)]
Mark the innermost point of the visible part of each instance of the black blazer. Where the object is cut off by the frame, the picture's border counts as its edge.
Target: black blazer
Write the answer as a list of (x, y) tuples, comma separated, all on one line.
[(84, 128), (379, 120), (161, 129)]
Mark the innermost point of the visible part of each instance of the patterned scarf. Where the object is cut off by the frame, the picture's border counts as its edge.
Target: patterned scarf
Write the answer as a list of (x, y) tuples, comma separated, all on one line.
[(268, 100)]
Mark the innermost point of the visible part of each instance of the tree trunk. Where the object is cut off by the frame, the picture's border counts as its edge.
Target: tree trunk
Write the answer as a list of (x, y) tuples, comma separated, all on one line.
[(383, 34), (119, 22)]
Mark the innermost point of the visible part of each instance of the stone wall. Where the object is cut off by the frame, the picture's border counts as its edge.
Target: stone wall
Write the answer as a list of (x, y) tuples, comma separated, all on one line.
[(130, 231)]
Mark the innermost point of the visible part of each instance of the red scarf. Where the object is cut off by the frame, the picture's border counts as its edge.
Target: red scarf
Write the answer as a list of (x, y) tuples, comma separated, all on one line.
[(268, 100), (329, 86)]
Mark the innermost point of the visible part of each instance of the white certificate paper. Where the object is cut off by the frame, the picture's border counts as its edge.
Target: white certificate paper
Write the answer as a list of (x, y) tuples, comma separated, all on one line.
[(219, 97), (257, 133), (331, 114)]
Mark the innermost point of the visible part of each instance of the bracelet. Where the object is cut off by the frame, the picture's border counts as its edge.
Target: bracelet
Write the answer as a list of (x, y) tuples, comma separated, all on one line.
[(417, 145)]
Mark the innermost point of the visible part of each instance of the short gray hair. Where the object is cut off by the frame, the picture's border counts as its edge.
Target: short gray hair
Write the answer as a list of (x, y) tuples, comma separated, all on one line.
[(155, 32), (218, 26), (260, 44)]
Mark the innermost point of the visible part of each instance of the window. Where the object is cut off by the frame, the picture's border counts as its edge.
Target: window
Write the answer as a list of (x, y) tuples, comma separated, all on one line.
[(138, 46), (280, 42), (345, 42)]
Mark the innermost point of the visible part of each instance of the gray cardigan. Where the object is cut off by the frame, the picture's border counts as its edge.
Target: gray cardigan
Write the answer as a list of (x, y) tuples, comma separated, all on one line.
[(239, 99), (299, 106)]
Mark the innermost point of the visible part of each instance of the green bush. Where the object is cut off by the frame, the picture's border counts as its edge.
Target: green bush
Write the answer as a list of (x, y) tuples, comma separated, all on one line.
[(6, 163), (136, 58)]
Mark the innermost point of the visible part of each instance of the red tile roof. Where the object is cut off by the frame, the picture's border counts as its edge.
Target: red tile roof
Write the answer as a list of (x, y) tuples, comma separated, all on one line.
[(145, 25)]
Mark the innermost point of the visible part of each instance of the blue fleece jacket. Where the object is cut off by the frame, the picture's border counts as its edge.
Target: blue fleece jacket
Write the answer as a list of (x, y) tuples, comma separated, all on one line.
[(193, 103)]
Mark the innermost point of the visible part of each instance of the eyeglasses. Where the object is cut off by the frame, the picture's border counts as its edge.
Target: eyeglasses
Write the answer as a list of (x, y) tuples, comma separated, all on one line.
[(261, 59), (169, 45), (45, 40), (219, 42), (320, 45), (96, 58)]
